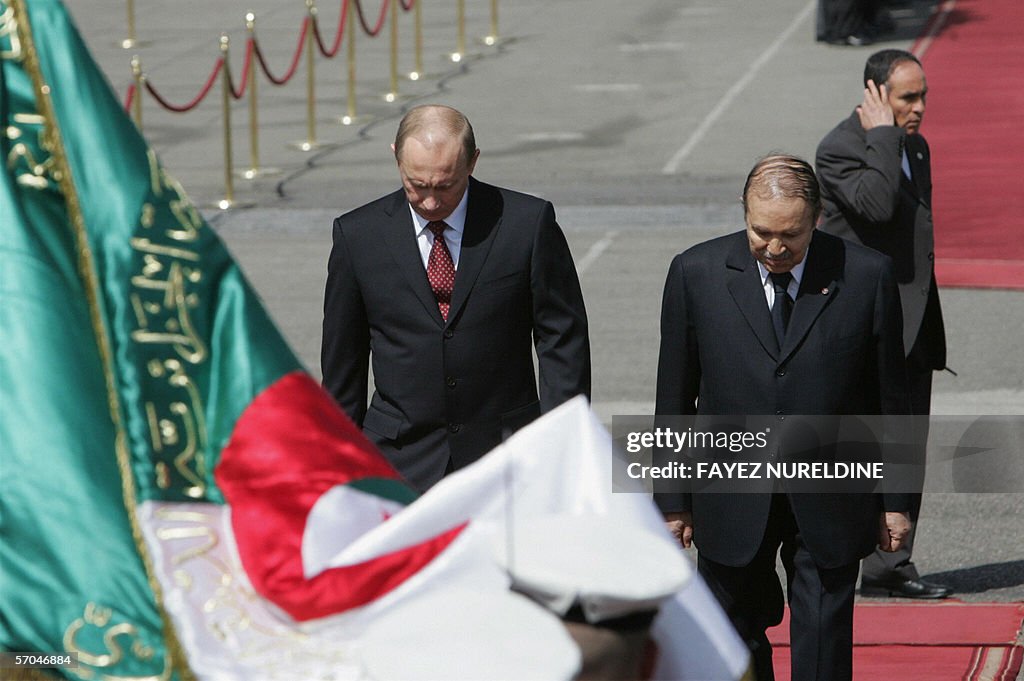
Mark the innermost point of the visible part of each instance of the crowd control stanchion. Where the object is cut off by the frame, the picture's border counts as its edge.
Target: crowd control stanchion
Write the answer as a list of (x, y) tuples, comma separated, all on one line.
[(417, 19), (229, 187), (254, 170), (460, 32), (392, 94), (493, 38), (137, 99), (130, 42), (350, 117), (419, 72), (310, 143)]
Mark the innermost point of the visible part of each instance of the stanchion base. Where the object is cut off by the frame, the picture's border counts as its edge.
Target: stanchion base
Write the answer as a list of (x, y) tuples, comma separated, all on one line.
[(225, 204), (305, 145), (132, 43), (395, 97), (354, 120), (495, 41), (257, 173), (417, 76)]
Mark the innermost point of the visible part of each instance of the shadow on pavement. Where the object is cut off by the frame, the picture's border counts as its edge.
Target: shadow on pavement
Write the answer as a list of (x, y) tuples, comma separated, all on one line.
[(981, 578)]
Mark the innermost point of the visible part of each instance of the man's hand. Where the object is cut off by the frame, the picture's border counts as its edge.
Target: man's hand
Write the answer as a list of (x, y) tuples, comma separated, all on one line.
[(875, 110), (681, 527), (893, 530)]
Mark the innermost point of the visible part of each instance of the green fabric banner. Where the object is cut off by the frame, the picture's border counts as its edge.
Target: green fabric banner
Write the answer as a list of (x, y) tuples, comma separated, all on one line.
[(130, 343)]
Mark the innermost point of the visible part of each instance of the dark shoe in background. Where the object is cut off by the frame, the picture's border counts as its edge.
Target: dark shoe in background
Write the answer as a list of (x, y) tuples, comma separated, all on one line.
[(904, 588)]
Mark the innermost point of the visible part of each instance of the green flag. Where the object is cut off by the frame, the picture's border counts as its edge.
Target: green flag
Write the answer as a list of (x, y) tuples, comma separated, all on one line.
[(129, 345)]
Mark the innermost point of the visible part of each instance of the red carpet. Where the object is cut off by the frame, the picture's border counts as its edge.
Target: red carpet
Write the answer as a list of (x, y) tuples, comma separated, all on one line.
[(926, 642), (974, 124)]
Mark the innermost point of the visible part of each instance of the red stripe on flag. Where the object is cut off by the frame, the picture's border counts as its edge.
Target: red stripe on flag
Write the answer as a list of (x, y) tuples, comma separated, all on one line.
[(290, 446)]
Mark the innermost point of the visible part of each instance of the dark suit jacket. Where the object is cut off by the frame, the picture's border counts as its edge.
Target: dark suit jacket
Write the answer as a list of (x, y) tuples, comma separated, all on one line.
[(448, 392), (869, 200), (842, 355)]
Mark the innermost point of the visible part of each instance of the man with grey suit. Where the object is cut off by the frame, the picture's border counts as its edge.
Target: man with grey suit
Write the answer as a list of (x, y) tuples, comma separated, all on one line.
[(875, 174)]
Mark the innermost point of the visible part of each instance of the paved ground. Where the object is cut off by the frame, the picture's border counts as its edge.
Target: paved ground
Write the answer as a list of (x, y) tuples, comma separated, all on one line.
[(639, 120)]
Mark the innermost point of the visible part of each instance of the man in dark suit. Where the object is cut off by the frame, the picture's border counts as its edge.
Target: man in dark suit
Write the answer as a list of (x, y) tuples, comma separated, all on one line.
[(449, 284), (783, 320), (846, 22), (876, 187)]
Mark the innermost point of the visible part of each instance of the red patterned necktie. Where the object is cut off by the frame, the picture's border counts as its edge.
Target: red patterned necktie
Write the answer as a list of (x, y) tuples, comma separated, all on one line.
[(441, 268)]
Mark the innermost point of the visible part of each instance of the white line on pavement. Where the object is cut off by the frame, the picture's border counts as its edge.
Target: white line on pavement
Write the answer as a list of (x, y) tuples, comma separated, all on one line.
[(673, 164), (595, 252)]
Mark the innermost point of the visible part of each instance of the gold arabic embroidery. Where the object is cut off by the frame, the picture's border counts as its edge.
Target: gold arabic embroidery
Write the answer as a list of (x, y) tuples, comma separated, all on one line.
[(164, 295), (118, 641), (9, 30)]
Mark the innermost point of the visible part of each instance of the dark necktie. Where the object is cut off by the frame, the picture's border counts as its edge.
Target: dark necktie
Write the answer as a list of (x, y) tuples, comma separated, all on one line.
[(441, 269), (783, 304)]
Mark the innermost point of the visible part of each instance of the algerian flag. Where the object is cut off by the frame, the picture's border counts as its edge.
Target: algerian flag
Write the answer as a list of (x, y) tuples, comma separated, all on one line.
[(293, 450), (71, 573), (132, 350), (143, 382)]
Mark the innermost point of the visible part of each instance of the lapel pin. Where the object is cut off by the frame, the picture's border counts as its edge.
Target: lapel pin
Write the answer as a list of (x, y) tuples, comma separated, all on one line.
[(824, 291), (920, 156)]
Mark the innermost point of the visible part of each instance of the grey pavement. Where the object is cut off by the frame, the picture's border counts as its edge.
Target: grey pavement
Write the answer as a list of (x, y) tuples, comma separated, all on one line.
[(638, 120)]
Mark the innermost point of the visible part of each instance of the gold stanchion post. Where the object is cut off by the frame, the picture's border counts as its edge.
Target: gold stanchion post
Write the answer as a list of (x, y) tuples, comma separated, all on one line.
[(417, 13), (310, 143), (350, 117), (254, 170), (419, 73), (492, 38), (129, 42), (229, 187), (392, 95), (140, 83), (460, 35)]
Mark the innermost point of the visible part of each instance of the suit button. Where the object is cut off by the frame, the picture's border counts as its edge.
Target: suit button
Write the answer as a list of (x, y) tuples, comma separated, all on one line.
[(924, 290), (781, 371), (454, 427), (450, 381), (448, 333)]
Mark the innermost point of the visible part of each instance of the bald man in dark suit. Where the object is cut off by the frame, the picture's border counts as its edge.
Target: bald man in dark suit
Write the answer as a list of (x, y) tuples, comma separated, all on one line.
[(450, 285), (781, 319)]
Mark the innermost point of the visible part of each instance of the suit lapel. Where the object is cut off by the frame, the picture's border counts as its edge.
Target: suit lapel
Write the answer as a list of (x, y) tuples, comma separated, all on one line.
[(483, 216), (818, 287), (744, 283), (920, 169), (399, 236)]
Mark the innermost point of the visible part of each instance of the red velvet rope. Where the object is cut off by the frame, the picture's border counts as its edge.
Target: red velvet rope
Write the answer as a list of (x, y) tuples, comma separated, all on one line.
[(195, 102), (295, 58), (129, 97), (252, 49), (372, 32), (329, 54)]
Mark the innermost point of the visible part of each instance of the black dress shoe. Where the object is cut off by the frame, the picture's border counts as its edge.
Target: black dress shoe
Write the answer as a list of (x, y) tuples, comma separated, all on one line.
[(904, 588)]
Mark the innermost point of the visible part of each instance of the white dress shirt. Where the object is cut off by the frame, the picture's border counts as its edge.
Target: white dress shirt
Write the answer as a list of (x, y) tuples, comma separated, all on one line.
[(794, 283), (456, 222)]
